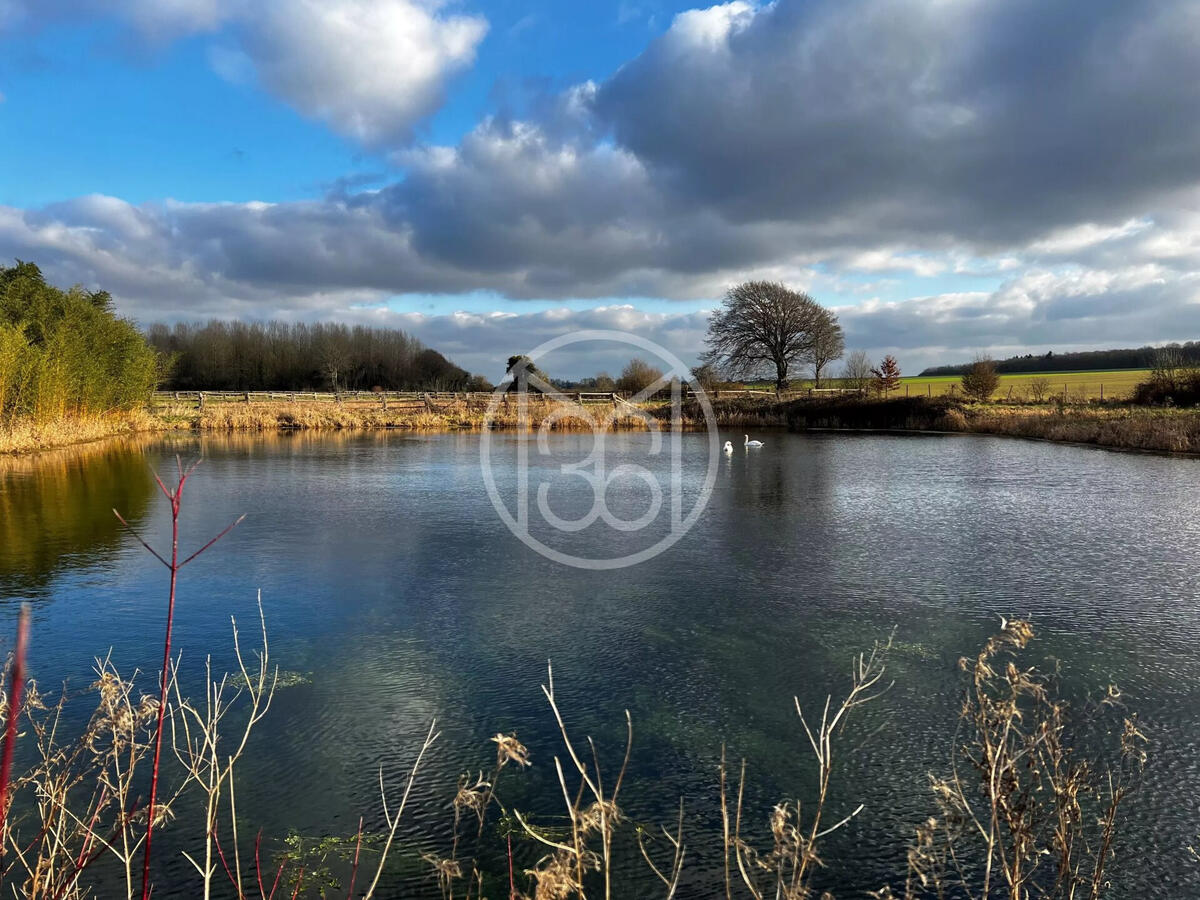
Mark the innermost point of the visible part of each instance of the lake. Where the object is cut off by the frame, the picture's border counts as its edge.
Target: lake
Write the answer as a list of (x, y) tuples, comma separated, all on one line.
[(394, 592)]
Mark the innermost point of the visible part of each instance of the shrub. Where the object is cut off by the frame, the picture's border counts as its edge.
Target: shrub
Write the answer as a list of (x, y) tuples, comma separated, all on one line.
[(637, 376), (1178, 388), (980, 381)]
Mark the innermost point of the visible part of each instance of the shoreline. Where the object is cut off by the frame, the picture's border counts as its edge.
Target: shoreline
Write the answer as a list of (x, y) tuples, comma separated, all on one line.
[(1112, 427)]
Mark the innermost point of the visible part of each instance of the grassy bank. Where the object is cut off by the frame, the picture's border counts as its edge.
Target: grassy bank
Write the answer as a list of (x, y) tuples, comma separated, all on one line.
[(1113, 425), (350, 416), (1116, 425), (28, 436)]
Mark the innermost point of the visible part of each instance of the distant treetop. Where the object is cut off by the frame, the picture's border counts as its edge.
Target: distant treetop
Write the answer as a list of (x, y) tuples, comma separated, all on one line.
[(1081, 361)]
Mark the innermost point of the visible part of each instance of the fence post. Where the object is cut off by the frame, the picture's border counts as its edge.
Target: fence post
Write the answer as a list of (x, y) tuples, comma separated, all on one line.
[(200, 394), (1102, 390), (906, 390)]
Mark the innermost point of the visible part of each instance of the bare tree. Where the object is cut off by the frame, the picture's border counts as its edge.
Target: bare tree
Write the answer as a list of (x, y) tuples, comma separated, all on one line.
[(829, 344), (707, 377), (1039, 388), (637, 376), (766, 329), (856, 373), (1167, 363), (335, 358)]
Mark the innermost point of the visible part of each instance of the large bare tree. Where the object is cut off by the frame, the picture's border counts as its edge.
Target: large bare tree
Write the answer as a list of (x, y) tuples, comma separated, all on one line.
[(767, 330)]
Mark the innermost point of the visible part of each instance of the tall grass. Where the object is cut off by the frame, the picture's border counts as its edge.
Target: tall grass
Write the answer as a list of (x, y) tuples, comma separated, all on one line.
[(446, 415), (66, 360)]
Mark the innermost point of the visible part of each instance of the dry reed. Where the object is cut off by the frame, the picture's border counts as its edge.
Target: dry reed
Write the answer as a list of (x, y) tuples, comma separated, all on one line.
[(28, 436)]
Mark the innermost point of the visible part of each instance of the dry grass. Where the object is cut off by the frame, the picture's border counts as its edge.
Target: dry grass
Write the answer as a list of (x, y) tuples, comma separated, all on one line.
[(349, 416), (1024, 811), (1133, 428), (30, 437)]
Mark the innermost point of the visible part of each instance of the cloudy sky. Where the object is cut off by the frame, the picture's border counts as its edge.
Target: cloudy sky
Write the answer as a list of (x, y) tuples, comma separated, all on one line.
[(952, 175)]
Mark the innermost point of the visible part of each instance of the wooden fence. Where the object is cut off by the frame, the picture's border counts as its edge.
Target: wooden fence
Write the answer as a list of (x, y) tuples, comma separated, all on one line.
[(432, 399)]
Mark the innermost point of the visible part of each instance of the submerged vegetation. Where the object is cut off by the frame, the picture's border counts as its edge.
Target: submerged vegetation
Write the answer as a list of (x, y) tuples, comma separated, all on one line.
[(1029, 804)]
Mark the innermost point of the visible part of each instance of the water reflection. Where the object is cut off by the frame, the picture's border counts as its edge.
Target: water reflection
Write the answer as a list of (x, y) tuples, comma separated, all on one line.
[(56, 510)]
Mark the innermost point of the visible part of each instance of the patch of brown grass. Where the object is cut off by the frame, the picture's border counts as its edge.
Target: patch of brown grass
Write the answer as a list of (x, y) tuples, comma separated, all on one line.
[(1134, 428), (446, 416), (32, 437)]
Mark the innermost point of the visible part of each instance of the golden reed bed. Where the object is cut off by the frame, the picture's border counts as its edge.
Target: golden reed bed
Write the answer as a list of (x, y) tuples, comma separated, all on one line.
[(1112, 426)]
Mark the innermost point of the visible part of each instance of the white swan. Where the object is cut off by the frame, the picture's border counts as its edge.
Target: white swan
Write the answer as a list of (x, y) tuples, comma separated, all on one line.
[(750, 443), (728, 446)]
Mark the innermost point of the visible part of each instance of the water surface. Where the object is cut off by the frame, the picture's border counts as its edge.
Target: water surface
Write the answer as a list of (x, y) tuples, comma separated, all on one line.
[(390, 584)]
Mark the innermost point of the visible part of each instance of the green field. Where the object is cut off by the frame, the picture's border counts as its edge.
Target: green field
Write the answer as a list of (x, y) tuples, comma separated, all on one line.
[(1116, 384)]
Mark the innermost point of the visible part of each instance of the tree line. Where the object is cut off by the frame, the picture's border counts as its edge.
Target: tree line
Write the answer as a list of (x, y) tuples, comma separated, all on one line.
[(1082, 361), (65, 353), (283, 356)]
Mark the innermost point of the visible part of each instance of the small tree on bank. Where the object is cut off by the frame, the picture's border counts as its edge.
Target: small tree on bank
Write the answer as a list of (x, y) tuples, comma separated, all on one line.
[(637, 376), (828, 344), (887, 376), (980, 381), (707, 377), (767, 330), (856, 374)]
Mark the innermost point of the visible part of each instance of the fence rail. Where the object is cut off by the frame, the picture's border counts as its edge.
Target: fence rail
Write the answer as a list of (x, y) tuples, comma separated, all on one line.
[(384, 398), (432, 399)]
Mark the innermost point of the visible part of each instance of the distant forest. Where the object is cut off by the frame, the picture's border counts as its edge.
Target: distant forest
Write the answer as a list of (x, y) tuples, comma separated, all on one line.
[(282, 356), (1085, 361)]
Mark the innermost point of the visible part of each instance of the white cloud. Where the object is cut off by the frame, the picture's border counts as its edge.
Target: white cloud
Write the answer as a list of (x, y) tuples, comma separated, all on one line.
[(1088, 234), (808, 142), (370, 68)]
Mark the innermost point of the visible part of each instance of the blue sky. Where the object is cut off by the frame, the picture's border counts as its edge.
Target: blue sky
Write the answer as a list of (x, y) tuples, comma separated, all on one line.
[(145, 121), (491, 172)]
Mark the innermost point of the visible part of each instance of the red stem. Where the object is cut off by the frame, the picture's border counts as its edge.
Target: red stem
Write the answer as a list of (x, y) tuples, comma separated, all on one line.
[(258, 865), (354, 870), (17, 678), (299, 881), (221, 854), (512, 888), (278, 875), (166, 667), (175, 497), (82, 862)]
